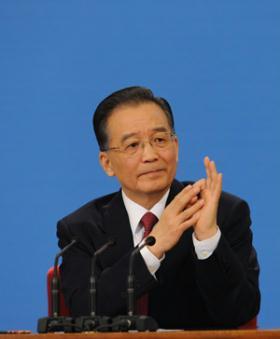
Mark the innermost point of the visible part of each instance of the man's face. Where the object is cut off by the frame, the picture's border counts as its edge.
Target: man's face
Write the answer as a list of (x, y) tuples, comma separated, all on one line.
[(150, 171)]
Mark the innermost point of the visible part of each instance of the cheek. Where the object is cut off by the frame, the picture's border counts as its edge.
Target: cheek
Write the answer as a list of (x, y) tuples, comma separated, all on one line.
[(170, 158), (125, 169)]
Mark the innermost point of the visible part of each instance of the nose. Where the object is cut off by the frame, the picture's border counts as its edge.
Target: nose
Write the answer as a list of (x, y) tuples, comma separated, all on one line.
[(148, 152)]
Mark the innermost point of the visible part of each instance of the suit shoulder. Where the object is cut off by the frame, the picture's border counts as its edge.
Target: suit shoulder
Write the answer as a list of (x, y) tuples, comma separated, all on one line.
[(233, 216), (91, 209), (229, 200)]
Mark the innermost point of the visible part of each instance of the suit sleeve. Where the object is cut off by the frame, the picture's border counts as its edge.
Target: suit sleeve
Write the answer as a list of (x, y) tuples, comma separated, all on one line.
[(228, 280), (112, 279)]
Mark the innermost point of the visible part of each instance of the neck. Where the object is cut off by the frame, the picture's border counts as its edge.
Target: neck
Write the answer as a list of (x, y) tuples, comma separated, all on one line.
[(146, 200)]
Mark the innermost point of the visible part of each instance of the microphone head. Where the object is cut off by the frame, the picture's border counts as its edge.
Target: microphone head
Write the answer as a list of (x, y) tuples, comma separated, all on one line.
[(150, 241)]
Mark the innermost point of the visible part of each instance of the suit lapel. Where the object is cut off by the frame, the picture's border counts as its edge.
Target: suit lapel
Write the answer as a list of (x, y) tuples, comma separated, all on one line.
[(175, 188), (116, 226)]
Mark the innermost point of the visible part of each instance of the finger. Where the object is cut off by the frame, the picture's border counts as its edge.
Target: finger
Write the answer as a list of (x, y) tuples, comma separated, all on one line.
[(189, 212), (216, 182), (200, 183), (182, 199), (219, 183), (207, 170), (176, 201), (192, 201), (190, 222), (213, 175), (218, 187), (206, 163)]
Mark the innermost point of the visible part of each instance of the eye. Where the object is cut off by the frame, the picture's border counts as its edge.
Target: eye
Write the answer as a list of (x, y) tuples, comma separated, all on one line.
[(132, 146), (160, 140)]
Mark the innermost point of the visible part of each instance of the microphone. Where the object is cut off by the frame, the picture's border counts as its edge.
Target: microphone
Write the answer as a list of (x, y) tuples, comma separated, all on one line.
[(92, 289), (130, 321), (55, 281), (149, 241), (93, 321), (56, 322)]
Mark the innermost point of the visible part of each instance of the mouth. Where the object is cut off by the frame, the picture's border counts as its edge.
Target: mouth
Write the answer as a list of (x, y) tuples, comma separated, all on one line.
[(151, 172)]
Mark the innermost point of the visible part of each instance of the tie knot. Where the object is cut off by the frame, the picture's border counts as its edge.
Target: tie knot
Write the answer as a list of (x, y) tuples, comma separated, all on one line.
[(148, 221)]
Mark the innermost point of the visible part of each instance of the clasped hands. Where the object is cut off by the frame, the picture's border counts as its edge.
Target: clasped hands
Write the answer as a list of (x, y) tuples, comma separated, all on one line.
[(195, 206)]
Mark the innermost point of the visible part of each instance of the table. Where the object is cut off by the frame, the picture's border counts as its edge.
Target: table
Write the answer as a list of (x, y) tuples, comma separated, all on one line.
[(217, 334)]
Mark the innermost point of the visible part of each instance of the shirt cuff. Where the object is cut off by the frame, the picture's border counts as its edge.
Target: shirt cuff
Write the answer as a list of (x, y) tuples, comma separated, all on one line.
[(151, 261), (205, 248)]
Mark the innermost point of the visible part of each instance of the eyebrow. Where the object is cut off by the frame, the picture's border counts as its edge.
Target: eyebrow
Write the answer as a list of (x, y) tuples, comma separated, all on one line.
[(156, 129)]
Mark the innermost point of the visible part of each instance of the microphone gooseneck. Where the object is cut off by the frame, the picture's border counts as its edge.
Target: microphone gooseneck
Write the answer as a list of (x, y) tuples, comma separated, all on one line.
[(94, 322), (92, 289), (141, 323), (149, 241), (55, 322), (55, 282)]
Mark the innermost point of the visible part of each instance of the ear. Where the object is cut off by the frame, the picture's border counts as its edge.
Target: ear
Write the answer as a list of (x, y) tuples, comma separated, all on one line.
[(177, 148), (105, 163)]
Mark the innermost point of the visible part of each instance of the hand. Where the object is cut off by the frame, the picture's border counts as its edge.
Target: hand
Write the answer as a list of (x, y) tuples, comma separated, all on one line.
[(178, 216), (211, 188)]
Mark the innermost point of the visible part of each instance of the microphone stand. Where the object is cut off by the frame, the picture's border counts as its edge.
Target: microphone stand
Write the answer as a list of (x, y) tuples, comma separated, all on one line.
[(56, 323), (141, 323), (94, 321)]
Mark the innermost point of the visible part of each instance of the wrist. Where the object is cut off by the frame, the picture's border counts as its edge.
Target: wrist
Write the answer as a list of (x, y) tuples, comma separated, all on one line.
[(206, 234), (159, 253)]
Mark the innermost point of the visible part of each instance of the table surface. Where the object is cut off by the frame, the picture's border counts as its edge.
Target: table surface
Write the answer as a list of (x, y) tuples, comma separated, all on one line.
[(217, 334)]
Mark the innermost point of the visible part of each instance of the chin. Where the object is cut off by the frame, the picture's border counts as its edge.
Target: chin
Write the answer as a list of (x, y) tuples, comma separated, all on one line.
[(155, 186)]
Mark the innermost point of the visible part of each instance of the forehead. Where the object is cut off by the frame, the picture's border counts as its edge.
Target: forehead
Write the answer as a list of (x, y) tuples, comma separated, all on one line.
[(136, 118)]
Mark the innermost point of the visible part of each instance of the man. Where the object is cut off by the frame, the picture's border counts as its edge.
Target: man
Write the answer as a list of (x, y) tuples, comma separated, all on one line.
[(203, 271)]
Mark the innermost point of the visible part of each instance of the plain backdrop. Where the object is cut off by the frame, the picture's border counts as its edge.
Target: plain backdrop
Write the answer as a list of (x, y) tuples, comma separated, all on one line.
[(216, 61)]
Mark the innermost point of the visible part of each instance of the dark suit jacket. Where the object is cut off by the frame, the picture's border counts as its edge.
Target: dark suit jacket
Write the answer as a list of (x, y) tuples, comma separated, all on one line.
[(219, 292)]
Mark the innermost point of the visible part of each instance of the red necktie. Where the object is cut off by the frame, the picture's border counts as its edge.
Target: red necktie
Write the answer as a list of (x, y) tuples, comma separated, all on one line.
[(148, 221)]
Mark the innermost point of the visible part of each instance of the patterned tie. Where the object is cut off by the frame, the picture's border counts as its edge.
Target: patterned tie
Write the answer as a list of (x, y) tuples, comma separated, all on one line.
[(148, 221)]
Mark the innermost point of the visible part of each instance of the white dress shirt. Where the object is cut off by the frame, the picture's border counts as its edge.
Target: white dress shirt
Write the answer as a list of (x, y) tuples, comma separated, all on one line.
[(135, 213)]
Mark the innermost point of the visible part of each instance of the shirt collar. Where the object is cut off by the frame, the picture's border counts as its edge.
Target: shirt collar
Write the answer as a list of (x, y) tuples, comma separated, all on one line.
[(135, 211)]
